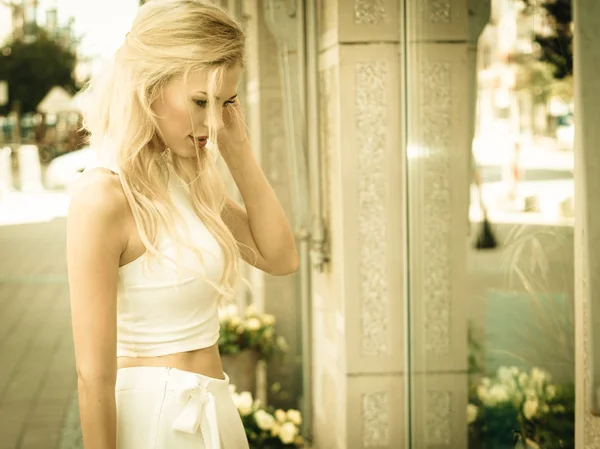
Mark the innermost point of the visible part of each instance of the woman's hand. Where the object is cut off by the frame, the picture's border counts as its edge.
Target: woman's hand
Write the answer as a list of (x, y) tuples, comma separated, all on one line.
[(233, 134)]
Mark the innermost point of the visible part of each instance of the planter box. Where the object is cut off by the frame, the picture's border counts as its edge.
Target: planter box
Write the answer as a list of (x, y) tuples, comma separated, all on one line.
[(241, 369)]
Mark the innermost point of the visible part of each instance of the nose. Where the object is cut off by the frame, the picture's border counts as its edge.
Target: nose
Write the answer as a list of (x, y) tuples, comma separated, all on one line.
[(214, 118)]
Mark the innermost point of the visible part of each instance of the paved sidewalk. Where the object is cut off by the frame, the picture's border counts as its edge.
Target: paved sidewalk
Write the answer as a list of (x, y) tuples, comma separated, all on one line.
[(37, 374), (19, 207)]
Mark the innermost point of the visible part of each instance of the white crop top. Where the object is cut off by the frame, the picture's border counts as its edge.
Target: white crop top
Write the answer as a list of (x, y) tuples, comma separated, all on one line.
[(161, 310)]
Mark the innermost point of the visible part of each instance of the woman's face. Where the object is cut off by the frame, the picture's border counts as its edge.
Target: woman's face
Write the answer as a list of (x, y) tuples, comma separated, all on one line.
[(183, 110)]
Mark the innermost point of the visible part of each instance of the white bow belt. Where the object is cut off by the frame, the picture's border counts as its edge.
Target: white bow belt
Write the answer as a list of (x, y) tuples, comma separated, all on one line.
[(200, 411)]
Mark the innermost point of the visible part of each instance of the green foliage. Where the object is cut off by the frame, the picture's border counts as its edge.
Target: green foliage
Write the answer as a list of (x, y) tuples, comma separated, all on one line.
[(520, 406), (556, 428), (556, 48), (33, 68), (538, 78), (474, 347), (250, 331), (499, 427), (267, 427)]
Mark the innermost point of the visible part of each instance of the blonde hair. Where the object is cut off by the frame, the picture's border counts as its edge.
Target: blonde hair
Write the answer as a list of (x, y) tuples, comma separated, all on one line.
[(168, 39)]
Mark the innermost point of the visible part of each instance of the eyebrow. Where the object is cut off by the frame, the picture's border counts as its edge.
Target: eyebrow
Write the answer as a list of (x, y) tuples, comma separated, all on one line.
[(201, 92)]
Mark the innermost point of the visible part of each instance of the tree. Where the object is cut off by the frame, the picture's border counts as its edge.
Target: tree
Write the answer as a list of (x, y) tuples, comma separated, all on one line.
[(33, 68), (556, 47)]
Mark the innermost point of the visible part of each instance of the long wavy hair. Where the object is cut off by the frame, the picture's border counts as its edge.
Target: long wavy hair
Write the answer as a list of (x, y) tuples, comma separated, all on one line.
[(168, 39)]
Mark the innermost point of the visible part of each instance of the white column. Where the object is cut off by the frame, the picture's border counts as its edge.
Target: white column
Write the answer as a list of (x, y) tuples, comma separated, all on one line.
[(358, 365), (265, 111), (439, 136), (587, 221), (30, 170)]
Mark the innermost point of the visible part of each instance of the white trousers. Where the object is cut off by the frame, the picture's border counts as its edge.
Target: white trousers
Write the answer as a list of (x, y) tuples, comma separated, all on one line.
[(167, 408)]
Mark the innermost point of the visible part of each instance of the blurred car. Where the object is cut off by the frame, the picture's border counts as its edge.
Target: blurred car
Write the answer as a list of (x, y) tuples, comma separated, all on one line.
[(63, 170)]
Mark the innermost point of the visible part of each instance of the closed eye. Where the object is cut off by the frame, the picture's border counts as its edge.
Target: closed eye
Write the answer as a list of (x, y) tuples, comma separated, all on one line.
[(203, 103)]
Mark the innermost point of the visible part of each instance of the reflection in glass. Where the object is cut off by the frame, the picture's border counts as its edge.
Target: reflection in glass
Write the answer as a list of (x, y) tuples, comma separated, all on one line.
[(520, 295)]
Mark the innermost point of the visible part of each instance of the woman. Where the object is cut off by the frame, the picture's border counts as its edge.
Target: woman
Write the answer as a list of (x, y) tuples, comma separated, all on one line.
[(153, 240)]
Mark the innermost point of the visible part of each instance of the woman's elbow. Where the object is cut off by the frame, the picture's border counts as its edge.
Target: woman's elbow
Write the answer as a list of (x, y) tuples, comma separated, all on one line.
[(92, 379), (286, 267)]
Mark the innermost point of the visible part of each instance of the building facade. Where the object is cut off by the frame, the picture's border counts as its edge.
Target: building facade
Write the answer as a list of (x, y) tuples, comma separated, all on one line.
[(363, 115)]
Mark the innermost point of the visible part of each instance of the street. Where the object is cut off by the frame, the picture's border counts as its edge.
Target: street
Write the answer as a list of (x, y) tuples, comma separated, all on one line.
[(37, 379)]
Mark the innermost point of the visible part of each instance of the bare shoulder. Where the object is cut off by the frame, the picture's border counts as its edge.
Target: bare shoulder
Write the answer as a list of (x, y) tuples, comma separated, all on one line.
[(99, 208), (99, 193)]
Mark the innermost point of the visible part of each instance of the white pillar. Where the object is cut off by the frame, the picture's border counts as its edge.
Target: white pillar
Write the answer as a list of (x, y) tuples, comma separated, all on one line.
[(439, 134), (358, 322), (587, 221), (266, 112), (30, 170)]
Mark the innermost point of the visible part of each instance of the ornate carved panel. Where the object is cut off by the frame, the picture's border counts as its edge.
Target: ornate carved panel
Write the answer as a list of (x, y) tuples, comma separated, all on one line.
[(375, 419), (438, 418), (369, 12), (439, 11), (372, 193), (436, 119)]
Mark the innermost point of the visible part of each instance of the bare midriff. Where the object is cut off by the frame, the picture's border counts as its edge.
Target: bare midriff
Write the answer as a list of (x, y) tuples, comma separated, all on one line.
[(206, 361)]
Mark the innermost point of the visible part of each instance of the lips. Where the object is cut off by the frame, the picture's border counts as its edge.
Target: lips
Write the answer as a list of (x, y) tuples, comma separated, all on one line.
[(199, 141)]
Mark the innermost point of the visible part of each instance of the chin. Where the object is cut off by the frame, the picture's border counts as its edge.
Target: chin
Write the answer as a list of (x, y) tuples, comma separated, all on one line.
[(184, 153)]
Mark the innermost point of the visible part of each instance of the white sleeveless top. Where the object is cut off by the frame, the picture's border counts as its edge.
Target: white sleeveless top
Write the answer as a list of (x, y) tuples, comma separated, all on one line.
[(170, 308)]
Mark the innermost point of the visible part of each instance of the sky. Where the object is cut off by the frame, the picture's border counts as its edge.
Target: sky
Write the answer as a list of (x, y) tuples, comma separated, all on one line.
[(102, 23)]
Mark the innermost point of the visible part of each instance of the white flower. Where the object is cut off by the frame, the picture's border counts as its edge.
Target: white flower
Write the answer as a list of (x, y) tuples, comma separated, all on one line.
[(558, 408), (538, 376), (472, 411), (294, 416), (523, 379), (550, 391), (498, 393), (486, 381), (264, 420), (243, 402), (482, 393), (275, 429), (530, 393), (280, 415), (504, 374), (228, 312), (253, 324), (530, 408), (235, 321), (251, 310), (282, 344), (494, 395), (287, 433), (268, 319), (232, 389), (268, 333)]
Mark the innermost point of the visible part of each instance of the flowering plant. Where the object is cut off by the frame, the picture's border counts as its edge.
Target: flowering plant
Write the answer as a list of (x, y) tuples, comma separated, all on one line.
[(267, 428), (522, 406), (249, 331)]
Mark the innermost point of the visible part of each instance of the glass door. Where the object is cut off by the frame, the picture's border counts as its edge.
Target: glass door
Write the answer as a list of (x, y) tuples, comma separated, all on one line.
[(488, 117)]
